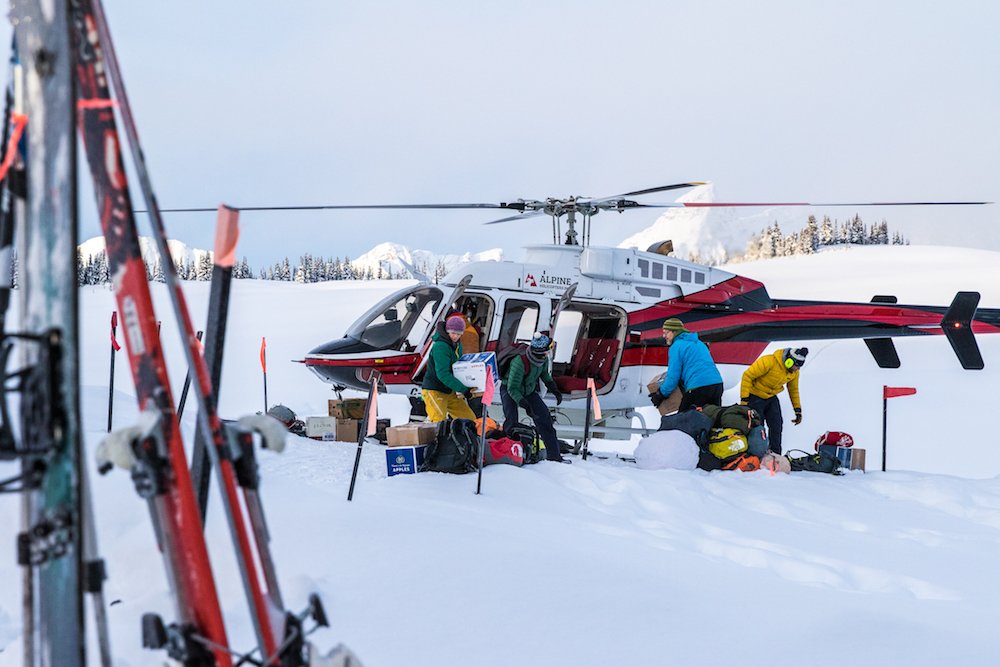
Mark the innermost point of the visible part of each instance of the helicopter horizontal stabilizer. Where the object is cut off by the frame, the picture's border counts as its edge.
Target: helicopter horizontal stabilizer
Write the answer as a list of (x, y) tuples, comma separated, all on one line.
[(884, 352), (957, 327)]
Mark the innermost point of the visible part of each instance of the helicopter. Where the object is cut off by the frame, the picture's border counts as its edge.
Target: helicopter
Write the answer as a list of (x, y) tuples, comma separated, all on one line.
[(604, 308)]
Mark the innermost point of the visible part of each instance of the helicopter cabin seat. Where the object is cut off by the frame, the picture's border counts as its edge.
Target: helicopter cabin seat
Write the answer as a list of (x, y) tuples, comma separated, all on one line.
[(594, 358)]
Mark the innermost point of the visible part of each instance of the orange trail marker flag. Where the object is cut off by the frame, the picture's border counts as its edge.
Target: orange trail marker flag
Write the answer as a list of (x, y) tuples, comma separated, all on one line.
[(372, 413), (593, 395), (263, 367), (490, 388)]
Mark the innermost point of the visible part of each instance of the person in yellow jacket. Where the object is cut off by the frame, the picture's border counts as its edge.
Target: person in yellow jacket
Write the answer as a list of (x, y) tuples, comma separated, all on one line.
[(765, 379)]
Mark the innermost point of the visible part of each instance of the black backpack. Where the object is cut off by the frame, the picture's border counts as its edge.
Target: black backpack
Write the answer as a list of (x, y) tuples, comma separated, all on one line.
[(693, 422), (455, 448), (820, 462), (507, 355), (528, 437)]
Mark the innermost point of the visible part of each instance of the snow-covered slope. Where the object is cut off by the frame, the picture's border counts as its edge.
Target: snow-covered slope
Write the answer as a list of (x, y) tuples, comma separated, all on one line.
[(403, 261), (712, 235), (179, 251)]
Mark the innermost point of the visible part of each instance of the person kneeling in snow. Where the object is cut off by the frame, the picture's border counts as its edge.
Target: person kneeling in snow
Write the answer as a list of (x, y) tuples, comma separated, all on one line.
[(520, 388), (764, 380), (444, 394)]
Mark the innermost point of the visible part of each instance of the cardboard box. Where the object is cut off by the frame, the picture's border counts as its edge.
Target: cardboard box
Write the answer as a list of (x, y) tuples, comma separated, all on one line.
[(673, 402), (317, 427), (348, 408), (419, 433), (347, 430), (404, 460), (852, 458), (470, 369)]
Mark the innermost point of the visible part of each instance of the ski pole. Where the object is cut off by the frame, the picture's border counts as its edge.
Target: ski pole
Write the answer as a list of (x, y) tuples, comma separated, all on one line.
[(366, 424), (187, 385), (586, 427), (482, 451), (486, 400), (227, 233), (263, 367), (111, 383)]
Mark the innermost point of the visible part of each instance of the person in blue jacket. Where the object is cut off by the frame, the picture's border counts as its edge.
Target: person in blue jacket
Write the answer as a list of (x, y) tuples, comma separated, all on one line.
[(689, 366)]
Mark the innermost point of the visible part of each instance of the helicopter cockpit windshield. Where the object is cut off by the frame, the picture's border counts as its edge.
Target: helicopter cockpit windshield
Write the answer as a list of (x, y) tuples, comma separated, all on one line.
[(398, 321)]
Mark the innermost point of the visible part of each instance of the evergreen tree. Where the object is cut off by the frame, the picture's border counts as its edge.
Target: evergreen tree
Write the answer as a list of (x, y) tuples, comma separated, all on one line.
[(158, 271), (826, 234)]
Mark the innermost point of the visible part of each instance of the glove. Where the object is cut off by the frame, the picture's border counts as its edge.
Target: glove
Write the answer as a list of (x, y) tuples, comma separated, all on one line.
[(798, 416), (468, 394), (655, 397), (744, 400), (558, 396)]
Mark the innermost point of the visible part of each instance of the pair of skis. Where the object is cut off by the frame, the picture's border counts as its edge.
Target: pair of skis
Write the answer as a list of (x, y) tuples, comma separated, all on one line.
[(67, 45), (157, 453)]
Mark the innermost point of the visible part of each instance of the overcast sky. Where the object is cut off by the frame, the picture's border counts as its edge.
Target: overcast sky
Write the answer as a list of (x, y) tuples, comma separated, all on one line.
[(323, 102)]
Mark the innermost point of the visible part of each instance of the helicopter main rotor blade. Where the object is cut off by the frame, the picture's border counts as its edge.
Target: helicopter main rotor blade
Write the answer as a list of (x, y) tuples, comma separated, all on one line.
[(518, 206), (519, 216), (649, 191), (811, 204)]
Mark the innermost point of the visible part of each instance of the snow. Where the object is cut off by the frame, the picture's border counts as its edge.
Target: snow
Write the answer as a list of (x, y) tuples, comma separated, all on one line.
[(712, 235), (401, 260), (597, 562)]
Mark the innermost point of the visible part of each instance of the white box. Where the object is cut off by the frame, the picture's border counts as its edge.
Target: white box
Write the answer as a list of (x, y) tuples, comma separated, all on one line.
[(470, 369), (317, 427)]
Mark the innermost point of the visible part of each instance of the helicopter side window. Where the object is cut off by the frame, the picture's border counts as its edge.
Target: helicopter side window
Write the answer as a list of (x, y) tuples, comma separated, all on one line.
[(671, 273), (520, 319), (685, 275), (657, 271), (699, 278), (478, 309), (644, 268)]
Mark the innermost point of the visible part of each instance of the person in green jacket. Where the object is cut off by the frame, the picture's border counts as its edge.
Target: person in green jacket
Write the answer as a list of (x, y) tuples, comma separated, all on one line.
[(520, 389), (444, 394)]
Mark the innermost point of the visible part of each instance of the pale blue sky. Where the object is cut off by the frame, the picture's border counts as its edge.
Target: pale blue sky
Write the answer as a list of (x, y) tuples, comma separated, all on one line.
[(447, 101)]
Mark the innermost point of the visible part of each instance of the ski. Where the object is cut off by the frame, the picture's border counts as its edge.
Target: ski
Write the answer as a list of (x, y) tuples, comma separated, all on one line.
[(280, 636), (51, 547), (158, 465)]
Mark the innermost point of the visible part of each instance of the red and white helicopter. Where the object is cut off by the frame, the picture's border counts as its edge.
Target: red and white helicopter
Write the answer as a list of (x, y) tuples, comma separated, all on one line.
[(605, 307)]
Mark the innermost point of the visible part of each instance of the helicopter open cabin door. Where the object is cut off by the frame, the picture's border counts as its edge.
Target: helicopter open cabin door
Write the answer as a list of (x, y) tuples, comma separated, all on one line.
[(444, 307)]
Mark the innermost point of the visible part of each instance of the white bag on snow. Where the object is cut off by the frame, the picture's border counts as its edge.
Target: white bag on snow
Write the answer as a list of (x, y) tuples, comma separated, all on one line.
[(667, 449)]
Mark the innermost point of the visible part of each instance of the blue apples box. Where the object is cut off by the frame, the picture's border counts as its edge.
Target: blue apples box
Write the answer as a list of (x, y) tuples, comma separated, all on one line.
[(404, 460)]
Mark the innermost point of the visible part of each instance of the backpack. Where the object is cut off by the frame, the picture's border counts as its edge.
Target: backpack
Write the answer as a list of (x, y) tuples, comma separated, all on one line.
[(507, 355), (837, 438), (455, 448), (743, 463), (534, 449), (820, 462), (757, 441), (740, 417), (725, 443), (503, 450), (693, 422)]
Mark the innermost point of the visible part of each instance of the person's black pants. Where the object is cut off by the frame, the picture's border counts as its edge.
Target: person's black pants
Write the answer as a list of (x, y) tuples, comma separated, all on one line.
[(700, 396), (770, 411)]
